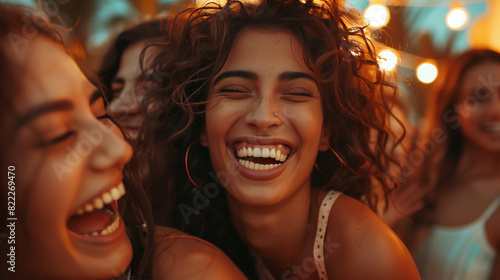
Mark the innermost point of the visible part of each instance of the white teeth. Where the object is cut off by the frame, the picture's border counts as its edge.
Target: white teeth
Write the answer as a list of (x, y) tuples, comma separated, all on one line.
[(106, 198), (110, 229), (121, 188), (98, 203), (115, 193), (257, 166), (265, 153), (89, 208), (256, 152), (262, 153)]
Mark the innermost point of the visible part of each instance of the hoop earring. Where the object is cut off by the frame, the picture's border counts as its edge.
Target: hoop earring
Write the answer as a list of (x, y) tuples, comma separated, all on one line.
[(340, 159), (187, 168)]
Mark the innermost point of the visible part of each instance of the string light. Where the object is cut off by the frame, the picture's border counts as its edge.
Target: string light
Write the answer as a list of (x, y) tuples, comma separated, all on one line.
[(427, 72), (457, 18), (387, 59), (377, 14), (222, 2)]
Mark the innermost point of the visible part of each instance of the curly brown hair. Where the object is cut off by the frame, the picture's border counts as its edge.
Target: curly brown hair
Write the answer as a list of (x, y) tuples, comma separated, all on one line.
[(356, 102)]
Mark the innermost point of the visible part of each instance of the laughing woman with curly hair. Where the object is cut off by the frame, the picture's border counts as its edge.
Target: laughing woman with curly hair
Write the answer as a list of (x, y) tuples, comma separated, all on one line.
[(271, 126)]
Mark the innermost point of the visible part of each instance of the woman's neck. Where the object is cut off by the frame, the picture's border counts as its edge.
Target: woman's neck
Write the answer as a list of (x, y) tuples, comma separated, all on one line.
[(276, 233), (476, 161)]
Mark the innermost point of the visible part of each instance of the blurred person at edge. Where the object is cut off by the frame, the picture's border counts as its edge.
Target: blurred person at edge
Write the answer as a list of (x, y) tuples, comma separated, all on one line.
[(457, 233)]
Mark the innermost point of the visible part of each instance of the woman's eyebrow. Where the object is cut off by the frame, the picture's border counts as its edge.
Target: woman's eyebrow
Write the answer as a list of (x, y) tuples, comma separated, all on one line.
[(45, 108), (288, 76), (238, 73), (285, 76)]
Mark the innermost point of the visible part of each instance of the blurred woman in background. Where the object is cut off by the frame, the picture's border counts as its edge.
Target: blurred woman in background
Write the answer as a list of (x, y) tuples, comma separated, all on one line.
[(458, 233), (121, 72)]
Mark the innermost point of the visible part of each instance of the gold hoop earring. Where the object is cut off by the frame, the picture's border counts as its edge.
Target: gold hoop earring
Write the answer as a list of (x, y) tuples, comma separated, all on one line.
[(187, 168), (340, 159)]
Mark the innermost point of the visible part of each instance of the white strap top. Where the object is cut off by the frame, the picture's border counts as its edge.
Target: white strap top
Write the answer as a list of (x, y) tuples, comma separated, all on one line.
[(319, 241), (319, 252), (458, 252)]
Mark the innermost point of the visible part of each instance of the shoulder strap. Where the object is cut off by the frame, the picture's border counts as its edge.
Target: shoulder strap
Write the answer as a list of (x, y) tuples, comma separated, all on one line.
[(490, 210), (318, 251)]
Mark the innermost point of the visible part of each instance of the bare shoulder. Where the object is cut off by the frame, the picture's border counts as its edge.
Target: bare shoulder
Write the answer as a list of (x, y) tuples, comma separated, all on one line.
[(359, 245), (181, 256)]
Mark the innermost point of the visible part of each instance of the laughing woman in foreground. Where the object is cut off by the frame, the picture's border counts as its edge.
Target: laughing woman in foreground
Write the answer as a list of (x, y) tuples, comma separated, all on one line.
[(264, 127), (76, 216)]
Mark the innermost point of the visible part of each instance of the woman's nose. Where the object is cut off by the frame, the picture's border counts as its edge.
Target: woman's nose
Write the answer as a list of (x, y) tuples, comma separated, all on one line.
[(112, 151), (264, 113), (125, 104)]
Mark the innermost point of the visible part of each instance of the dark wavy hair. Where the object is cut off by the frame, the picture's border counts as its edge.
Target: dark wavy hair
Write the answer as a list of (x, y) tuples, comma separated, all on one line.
[(134, 207), (355, 96), (149, 31), (442, 118)]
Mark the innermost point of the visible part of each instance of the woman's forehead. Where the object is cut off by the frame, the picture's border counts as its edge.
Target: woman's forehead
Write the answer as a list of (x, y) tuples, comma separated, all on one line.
[(252, 46), (47, 73)]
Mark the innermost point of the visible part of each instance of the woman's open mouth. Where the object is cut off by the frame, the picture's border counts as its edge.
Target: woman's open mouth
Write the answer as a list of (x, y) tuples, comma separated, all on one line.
[(261, 157), (99, 216)]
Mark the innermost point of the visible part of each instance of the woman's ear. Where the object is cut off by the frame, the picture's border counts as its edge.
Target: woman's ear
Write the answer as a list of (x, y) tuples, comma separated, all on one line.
[(204, 138), (324, 143)]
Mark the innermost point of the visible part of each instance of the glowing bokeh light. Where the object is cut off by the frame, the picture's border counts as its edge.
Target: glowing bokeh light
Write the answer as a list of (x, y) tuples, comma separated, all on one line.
[(222, 2), (387, 59), (457, 18), (427, 72), (377, 14)]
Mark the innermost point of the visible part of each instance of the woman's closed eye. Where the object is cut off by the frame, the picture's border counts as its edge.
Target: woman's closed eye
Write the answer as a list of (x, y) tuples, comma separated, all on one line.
[(61, 138), (297, 94), (232, 92), (104, 117), (99, 110), (233, 89)]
